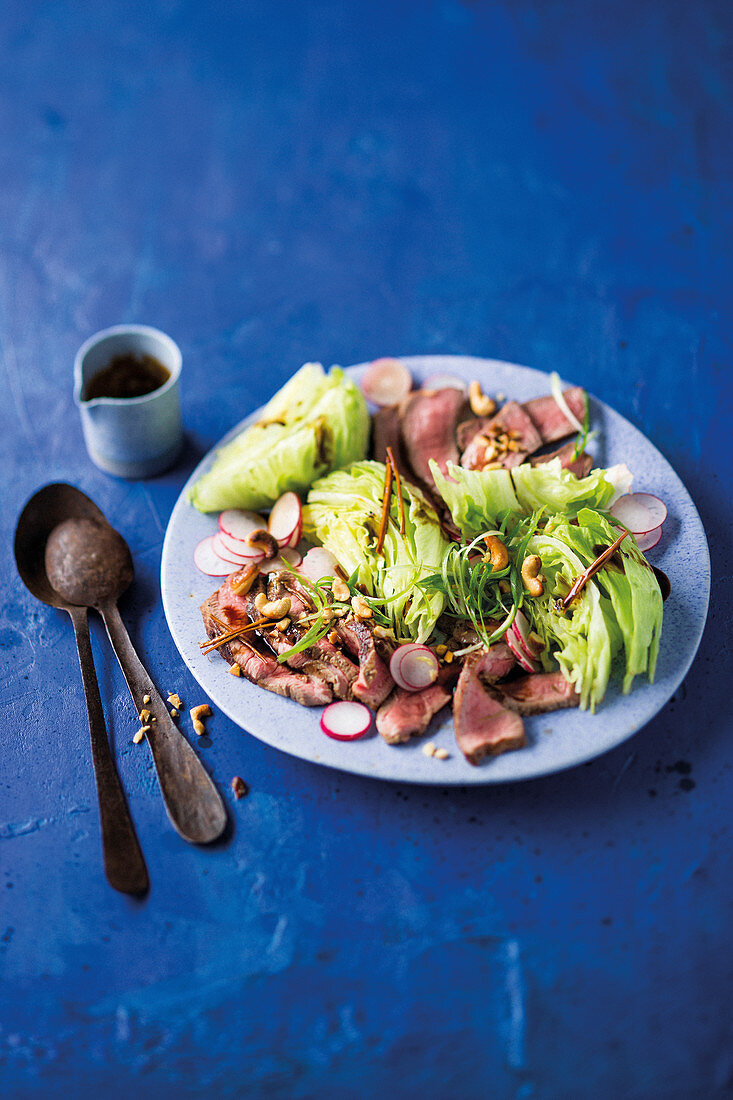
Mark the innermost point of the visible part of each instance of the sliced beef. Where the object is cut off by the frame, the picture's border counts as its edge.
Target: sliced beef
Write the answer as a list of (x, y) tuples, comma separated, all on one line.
[(497, 663), (407, 714), (258, 666), (549, 419), (386, 432), (321, 660), (374, 683), (537, 693), (511, 421), (483, 726), (580, 466), (429, 419)]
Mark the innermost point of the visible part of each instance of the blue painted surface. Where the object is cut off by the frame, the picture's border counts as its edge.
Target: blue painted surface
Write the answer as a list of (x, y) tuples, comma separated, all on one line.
[(272, 182)]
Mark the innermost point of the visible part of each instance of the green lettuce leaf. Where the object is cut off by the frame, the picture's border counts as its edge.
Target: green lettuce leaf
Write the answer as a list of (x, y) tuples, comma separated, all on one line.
[(317, 422), (343, 513), (477, 499), (618, 614)]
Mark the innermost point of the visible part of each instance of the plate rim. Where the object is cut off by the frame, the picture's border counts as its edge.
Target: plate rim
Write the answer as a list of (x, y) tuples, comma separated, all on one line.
[(423, 365)]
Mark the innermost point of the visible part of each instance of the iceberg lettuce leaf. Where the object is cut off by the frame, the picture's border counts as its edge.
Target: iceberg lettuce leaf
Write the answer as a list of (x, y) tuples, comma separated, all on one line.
[(343, 513), (477, 499), (317, 422)]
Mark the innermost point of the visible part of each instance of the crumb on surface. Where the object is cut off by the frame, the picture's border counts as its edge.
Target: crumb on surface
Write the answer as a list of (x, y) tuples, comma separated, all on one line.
[(239, 787)]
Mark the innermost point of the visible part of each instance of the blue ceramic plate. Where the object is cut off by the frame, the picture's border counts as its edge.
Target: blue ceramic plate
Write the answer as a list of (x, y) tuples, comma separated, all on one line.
[(556, 741)]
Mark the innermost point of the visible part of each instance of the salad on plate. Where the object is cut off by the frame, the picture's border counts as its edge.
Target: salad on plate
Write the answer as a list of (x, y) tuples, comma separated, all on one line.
[(385, 551)]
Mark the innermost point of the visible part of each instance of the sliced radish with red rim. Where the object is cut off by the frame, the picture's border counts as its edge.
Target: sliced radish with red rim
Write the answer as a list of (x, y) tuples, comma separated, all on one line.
[(208, 561), (649, 539), (286, 519), (414, 667), (640, 512), (318, 563), (224, 552), (239, 524), (346, 721), (239, 548), (520, 628), (527, 663), (386, 382), (277, 564)]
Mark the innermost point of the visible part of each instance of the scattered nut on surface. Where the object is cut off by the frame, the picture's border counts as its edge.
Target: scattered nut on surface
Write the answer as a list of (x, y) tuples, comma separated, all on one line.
[(239, 787), (146, 698), (199, 727), (140, 734), (203, 710), (429, 748), (174, 712), (441, 754), (175, 701), (144, 715), (235, 670)]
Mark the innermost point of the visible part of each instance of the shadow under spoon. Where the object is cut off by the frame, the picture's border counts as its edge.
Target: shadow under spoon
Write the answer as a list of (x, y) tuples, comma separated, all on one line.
[(90, 564), (124, 865)]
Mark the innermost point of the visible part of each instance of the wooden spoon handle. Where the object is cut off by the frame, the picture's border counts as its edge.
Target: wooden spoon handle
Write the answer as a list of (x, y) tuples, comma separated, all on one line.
[(124, 864), (192, 802)]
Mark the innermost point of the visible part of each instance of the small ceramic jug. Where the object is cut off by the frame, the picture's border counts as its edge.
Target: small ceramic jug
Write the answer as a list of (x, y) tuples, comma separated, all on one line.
[(130, 437)]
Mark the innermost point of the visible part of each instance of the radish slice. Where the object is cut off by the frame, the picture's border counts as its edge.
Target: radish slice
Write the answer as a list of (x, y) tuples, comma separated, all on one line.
[(239, 524), (521, 629), (640, 512), (239, 549), (346, 721), (286, 519), (277, 564), (527, 663), (318, 563), (414, 667), (649, 539), (386, 382), (208, 561), (232, 555), (444, 382)]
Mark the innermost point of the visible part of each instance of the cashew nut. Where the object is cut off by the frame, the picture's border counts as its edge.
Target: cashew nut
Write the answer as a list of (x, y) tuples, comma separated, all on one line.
[(481, 405), (264, 541), (498, 554), (272, 609), (530, 575), (340, 590), (361, 608)]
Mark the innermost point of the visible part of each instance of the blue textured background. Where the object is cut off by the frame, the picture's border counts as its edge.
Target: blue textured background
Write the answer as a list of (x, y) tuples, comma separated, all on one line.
[(272, 182)]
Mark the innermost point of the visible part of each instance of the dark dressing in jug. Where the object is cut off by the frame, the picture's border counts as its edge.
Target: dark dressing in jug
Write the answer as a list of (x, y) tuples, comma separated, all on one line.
[(127, 376)]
